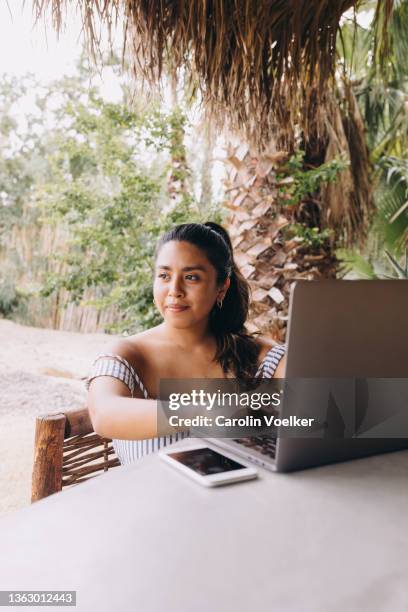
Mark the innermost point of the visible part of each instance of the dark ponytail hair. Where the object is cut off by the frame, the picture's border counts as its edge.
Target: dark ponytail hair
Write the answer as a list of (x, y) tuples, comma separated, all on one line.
[(237, 350)]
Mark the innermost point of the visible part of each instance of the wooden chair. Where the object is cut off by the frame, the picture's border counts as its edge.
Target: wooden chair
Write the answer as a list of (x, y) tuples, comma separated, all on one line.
[(67, 451)]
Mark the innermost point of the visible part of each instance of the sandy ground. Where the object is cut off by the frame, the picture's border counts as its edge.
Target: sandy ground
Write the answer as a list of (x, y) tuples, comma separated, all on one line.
[(41, 371)]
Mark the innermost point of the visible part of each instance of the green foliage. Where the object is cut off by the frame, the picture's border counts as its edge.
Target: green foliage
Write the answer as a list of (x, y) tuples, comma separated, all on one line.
[(356, 265), (381, 88), (99, 173), (392, 203), (18, 153), (298, 182), (9, 298), (400, 271), (311, 237), (354, 49), (113, 204)]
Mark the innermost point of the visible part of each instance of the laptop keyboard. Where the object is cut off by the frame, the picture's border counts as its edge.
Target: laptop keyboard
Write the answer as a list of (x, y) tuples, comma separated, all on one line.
[(264, 445)]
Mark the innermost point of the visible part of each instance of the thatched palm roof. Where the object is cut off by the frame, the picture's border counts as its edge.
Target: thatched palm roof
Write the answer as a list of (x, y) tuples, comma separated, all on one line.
[(261, 64)]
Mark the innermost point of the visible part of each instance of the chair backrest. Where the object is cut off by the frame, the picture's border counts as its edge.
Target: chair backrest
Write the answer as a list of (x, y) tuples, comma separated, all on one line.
[(67, 451)]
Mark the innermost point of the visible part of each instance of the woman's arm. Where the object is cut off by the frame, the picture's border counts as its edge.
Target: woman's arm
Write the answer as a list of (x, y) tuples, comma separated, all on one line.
[(116, 414), (280, 370)]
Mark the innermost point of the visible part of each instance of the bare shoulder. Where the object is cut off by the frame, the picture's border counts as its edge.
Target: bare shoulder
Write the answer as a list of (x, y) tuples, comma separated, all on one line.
[(123, 347), (135, 349), (132, 350)]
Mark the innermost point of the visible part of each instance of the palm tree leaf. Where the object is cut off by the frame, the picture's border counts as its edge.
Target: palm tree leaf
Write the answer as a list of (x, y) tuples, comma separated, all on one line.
[(263, 67), (399, 269)]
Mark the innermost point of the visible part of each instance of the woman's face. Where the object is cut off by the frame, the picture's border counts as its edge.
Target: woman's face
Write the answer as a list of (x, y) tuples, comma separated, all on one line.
[(185, 286)]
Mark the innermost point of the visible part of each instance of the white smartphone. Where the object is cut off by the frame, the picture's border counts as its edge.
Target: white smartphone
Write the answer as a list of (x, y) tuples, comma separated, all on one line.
[(207, 466)]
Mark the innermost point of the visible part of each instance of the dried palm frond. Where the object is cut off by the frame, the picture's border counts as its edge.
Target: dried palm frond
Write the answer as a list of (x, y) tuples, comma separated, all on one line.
[(348, 202), (255, 62)]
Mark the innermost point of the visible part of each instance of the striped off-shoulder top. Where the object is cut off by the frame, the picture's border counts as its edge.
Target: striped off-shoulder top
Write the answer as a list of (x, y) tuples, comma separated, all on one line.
[(108, 364)]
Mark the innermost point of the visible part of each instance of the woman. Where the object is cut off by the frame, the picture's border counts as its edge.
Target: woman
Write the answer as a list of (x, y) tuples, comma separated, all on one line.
[(204, 301)]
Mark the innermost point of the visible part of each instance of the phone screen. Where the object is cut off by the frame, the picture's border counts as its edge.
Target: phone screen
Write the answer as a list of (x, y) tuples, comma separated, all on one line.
[(205, 461)]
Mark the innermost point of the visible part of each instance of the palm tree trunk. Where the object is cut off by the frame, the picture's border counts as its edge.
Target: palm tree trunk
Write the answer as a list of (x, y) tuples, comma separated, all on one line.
[(270, 255), (268, 260)]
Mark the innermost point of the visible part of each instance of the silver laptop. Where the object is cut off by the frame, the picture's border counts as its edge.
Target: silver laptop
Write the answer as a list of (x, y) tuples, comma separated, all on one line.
[(338, 330)]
